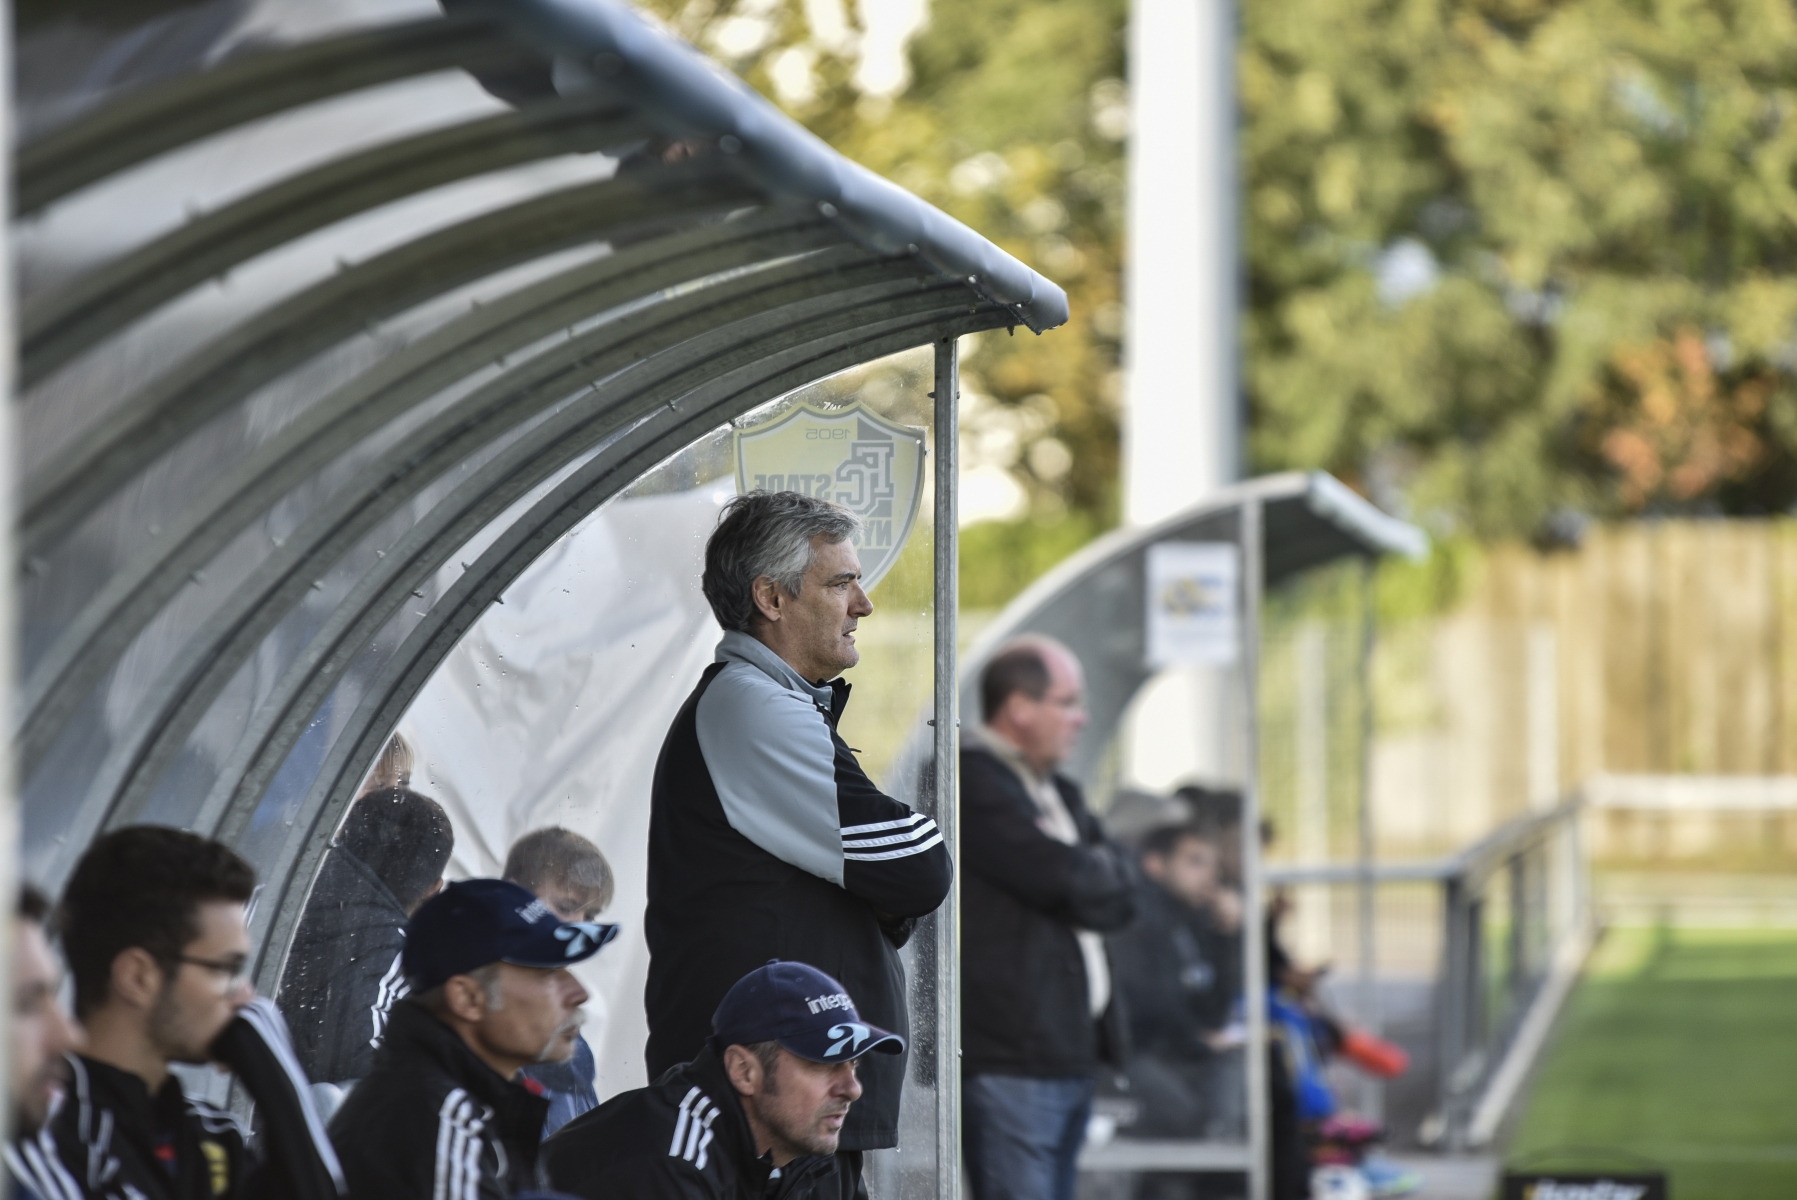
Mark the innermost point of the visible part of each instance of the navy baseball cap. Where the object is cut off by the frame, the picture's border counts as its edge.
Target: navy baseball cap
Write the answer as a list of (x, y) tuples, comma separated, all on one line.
[(801, 1008), (470, 924)]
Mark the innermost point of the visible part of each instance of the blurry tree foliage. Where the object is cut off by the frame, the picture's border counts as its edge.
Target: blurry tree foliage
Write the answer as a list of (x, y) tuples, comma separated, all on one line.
[(1012, 116), (1507, 259)]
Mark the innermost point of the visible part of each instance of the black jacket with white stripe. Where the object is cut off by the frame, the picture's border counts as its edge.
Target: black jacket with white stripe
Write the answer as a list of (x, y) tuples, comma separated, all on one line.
[(684, 1137), (343, 972), (431, 1121), (767, 840), (111, 1139)]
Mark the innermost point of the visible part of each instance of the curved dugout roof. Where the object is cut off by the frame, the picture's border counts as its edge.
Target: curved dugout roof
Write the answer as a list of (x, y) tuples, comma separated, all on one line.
[(335, 317), (1095, 604)]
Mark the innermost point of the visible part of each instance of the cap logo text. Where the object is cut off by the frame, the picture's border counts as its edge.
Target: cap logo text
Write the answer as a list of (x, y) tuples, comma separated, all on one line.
[(818, 1004), (533, 912)]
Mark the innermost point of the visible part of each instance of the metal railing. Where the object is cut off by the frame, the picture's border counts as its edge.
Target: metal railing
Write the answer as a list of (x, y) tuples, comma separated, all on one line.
[(1484, 942), (1512, 921)]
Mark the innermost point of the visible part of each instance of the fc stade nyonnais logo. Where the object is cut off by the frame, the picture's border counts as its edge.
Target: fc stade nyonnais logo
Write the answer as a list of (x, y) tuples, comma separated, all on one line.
[(856, 458)]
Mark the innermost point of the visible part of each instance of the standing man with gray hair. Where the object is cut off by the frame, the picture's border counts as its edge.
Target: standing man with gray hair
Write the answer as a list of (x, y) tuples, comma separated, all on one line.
[(766, 839)]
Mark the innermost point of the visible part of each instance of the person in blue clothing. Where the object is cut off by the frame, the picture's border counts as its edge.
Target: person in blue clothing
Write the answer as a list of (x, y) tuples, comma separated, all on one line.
[(573, 880)]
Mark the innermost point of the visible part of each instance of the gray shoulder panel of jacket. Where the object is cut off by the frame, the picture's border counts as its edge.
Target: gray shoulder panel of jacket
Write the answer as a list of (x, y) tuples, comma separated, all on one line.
[(769, 753)]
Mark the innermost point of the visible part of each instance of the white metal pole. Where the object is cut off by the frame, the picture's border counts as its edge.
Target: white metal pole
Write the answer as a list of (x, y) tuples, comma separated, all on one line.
[(1310, 838), (947, 748), (1254, 930), (9, 800), (1372, 1091), (1182, 430)]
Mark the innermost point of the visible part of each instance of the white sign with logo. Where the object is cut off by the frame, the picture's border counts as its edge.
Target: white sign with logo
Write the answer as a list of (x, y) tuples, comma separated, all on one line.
[(851, 456), (1193, 600)]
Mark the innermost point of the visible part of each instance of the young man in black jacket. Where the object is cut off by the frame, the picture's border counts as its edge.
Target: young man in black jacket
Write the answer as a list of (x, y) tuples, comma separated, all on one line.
[(757, 1115), (1041, 883), (443, 1116), (153, 925), (766, 839), (1178, 969)]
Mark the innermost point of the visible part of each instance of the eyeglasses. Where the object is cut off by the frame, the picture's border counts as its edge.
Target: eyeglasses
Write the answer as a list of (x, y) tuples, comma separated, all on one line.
[(236, 971)]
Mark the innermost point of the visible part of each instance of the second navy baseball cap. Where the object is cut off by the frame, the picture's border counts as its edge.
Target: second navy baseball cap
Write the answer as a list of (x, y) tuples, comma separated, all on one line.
[(803, 1010), (470, 924)]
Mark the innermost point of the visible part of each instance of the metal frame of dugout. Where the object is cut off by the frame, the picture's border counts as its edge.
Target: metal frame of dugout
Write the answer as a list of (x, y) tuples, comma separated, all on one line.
[(1096, 604), (374, 300)]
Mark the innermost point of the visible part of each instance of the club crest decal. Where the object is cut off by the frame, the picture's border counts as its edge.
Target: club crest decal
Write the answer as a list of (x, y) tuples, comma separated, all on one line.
[(853, 457)]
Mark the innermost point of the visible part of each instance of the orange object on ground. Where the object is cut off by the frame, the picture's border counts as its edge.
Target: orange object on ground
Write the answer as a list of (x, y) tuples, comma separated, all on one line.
[(1374, 1055)]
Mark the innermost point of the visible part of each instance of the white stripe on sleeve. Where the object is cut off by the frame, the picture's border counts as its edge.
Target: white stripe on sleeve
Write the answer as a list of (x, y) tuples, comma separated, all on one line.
[(881, 826), (905, 852), (891, 840)]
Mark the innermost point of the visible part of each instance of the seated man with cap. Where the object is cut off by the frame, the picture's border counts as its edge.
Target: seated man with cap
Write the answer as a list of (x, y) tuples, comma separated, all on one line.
[(756, 1114), (442, 1114)]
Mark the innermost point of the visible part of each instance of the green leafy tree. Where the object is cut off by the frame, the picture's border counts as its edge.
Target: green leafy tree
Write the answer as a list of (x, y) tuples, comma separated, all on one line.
[(1505, 257), (1512, 256), (1013, 119)]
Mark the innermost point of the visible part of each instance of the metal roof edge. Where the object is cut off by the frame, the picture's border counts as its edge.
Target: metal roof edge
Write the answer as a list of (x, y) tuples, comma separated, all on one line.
[(1119, 542), (1382, 533), (1327, 496), (604, 45)]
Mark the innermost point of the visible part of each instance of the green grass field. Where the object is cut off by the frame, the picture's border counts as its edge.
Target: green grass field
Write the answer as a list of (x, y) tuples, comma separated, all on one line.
[(1679, 1047)]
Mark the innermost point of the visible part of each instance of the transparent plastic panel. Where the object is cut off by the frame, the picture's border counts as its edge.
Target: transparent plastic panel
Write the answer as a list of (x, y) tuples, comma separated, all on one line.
[(552, 709), (355, 504)]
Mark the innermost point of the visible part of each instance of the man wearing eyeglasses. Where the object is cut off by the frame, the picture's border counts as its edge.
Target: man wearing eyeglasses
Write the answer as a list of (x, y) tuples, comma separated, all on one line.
[(1041, 883), (154, 926)]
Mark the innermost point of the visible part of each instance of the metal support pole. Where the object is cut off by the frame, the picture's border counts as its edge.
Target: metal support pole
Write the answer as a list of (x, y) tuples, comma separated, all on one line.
[(1254, 931), (1372, 1091), (9, 802), (947, 749), (1462, 1024)]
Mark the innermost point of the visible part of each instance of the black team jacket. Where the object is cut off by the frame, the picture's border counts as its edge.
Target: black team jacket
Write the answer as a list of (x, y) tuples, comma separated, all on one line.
[(767, 840), (343, 972), (684, 1137), (1024, 1006), (112, 1139), (433, 1122), (1179, 976)]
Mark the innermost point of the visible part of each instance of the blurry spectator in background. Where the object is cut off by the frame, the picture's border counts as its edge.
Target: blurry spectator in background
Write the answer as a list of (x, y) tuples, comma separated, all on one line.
[(343, 973), (1040, 884), (568, 874), (1178, 969), (766, 838), (758, 1113), (41, 1034), (443, 1113), (1218, 813), (155, 929)]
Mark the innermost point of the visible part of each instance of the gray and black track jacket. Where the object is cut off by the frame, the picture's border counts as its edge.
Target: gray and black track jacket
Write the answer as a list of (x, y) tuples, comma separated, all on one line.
[(767, 840)]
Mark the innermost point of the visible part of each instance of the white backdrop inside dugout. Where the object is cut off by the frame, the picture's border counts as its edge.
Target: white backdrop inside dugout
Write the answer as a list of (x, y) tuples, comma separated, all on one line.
[(552, 710)]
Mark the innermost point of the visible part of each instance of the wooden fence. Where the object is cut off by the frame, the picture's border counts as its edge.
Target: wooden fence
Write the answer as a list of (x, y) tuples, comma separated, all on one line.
[(1655, 648)]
